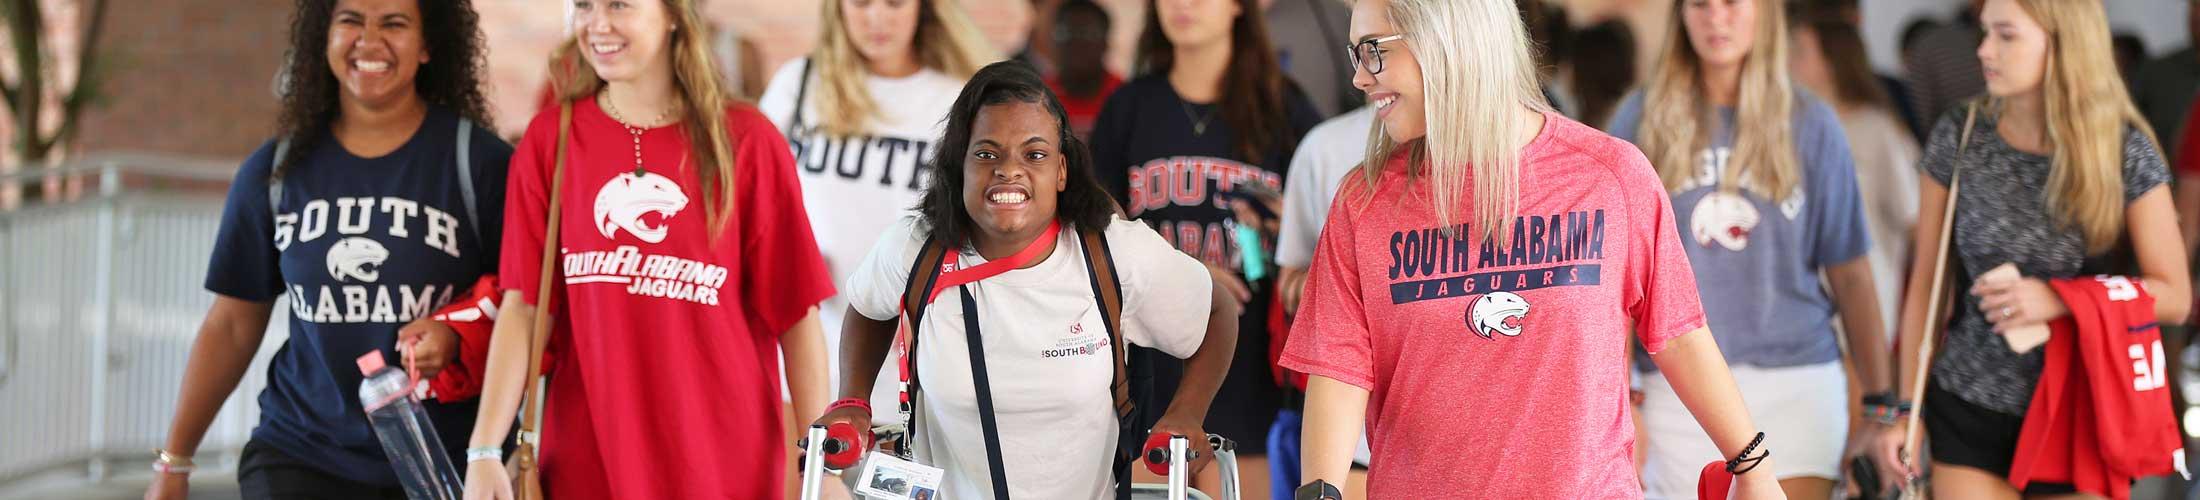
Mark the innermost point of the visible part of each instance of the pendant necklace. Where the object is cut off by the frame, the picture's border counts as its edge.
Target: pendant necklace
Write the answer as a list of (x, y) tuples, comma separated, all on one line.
[(631, 130)]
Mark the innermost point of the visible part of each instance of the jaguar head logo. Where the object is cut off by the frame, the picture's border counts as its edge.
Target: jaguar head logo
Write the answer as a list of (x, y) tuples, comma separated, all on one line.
[(642, 205), (1497, 313), (356, 258), (1723, 218)]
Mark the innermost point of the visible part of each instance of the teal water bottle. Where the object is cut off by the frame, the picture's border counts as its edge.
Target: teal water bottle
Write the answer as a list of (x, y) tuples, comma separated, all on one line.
[(1251, 254)]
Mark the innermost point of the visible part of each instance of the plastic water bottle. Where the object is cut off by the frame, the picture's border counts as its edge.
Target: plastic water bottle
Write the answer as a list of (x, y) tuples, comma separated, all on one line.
[(407, 436)]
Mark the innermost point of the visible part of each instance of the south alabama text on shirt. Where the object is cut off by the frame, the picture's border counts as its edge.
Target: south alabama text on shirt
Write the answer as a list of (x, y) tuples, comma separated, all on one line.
[(366, 228), (1195, 181), (1432, 264), (647, 275)]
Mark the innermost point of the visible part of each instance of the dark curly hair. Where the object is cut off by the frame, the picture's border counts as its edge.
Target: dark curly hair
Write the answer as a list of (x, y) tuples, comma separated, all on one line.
[(450, 79), (1083, 202)]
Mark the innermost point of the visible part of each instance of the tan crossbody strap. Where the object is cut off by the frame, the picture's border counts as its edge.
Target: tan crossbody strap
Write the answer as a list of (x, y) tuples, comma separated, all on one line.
[(539, 333), (1938, 292)]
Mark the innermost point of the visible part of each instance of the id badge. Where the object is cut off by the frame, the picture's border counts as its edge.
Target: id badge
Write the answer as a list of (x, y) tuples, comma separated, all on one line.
[(886, 477)]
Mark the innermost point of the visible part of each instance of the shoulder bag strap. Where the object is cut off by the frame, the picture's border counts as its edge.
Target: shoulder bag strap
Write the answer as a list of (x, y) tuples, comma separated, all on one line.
[(1941, 299), (539, 334)]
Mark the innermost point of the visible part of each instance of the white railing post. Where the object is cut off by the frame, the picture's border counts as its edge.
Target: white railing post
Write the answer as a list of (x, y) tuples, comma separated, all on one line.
[(103, 276)]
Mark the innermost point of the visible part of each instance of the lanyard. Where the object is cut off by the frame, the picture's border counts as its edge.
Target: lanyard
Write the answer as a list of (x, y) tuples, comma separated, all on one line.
[(951, 277)]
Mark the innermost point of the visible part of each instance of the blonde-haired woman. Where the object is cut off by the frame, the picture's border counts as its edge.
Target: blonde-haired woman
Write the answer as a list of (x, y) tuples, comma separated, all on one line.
[(1475, 288), (687, 265), (1766, 208), (2061, 177), (862, 114)]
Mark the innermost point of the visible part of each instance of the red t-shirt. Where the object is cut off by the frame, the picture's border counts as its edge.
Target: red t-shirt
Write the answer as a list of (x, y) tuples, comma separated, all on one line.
[(667, 383), (1500, 372), (1082, 112)]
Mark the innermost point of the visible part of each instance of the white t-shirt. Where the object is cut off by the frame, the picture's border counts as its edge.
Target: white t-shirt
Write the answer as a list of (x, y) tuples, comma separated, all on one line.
[(1325, 155), (1044, 351), (853, 187)]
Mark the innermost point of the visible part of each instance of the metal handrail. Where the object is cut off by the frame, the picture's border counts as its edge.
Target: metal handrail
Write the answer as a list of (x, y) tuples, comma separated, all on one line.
[(153, 164), (109, 166)]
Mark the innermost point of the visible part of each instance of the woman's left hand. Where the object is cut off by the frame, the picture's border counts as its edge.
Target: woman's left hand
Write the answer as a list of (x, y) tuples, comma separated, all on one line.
[(1189, 427), (2018, 303), (433, 345)]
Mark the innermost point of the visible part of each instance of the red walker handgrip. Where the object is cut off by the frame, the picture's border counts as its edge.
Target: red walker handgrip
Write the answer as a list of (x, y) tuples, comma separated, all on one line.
[(1156, 453), (843, 446)]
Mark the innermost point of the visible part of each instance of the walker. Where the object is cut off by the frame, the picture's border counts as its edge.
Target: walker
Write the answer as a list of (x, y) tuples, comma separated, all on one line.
[(1168, 455)]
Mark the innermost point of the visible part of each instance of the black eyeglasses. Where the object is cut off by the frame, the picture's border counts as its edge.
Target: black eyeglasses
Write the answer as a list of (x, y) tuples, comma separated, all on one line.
[(1368, 54)]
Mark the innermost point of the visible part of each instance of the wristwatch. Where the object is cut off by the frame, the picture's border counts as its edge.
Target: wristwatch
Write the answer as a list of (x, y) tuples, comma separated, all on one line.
[(1319, 490)]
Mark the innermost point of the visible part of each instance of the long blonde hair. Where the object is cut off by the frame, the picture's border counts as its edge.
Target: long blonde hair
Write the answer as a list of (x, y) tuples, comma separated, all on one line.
[(1476, 74), (702, 101), (2087, 110), (946, 41), (1676, 120)]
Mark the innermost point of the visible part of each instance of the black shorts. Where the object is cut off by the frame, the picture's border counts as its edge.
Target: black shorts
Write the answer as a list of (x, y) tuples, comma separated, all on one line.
[(1970, 435), (265, 473)]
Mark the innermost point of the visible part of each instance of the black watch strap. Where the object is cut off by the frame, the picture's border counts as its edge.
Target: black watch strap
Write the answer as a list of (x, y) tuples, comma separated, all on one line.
[(1319, 490)]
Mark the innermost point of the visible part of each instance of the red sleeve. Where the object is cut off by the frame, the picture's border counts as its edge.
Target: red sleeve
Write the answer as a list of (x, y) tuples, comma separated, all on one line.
[(1330, 336), (525, 204), (1660, 289), (783, 273), (473, 317)]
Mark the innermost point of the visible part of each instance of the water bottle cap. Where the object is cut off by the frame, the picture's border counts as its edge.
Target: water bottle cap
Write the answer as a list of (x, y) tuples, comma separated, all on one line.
[(371, 362)]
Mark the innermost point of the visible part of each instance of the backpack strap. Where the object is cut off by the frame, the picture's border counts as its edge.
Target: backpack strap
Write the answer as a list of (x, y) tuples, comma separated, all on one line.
[(275, 184), (466, 178), (1107, 289), (923, 274), (801, 93)]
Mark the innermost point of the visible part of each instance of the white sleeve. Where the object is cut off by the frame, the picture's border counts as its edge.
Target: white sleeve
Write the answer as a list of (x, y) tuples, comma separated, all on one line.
[(778, 100), (1302, 218), (1165, 291), (874, 287)]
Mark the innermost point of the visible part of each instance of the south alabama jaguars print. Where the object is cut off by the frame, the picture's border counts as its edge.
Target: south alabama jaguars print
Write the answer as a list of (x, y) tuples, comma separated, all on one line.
[(642, 262), (1491, 282)]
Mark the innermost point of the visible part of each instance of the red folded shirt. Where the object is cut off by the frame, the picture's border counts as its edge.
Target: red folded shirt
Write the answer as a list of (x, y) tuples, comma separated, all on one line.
[(473, 316), (2100, 416)]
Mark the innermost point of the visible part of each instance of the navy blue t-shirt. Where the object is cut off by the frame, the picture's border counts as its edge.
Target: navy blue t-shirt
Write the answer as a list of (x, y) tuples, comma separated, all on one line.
[(356, 248)]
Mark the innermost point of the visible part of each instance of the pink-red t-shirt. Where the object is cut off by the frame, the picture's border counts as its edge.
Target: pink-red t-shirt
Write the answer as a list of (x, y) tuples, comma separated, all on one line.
[(1500, 371), (667, 376)]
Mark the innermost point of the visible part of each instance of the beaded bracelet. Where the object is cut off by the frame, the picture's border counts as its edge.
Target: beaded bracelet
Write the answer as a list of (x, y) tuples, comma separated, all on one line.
[(1734, 466)]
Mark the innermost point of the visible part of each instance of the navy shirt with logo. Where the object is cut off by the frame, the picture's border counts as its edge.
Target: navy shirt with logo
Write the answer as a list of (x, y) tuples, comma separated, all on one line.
[(356, 248), (1168, 162)]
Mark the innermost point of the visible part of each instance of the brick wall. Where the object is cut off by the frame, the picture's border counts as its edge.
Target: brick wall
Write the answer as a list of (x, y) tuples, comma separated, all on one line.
[(192, 78), (189, 78)]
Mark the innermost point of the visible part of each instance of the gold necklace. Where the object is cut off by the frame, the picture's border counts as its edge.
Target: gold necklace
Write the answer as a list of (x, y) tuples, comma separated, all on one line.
[(631, 130)]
